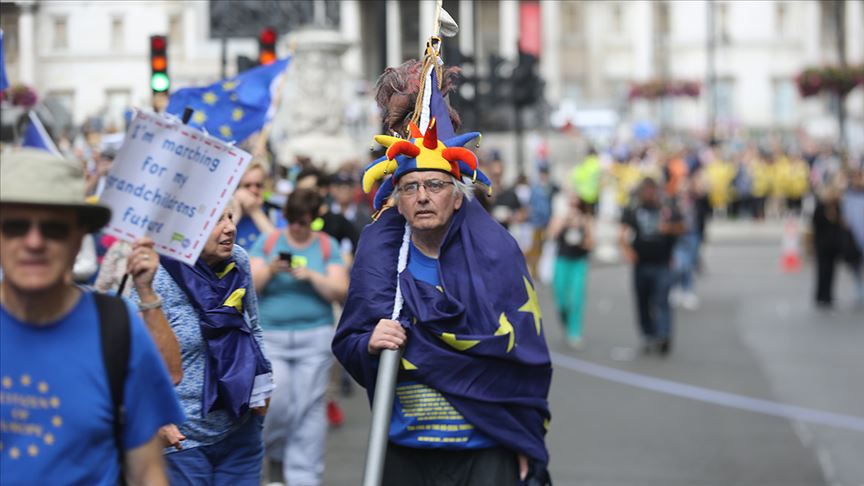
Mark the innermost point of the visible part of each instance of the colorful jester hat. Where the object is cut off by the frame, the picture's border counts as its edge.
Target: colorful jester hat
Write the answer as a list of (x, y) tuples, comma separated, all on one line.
[(421, 152)]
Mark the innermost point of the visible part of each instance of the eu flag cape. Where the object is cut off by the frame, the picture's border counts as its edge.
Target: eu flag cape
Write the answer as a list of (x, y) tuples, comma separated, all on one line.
[(478, 339)]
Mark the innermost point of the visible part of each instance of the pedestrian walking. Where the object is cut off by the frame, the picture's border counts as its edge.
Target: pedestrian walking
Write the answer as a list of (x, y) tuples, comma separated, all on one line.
[(574, 233), (213, 310), (685, 255), (647, 237), (471, 396), (299, 273), (852, 207), (84, 388), (833, 241)]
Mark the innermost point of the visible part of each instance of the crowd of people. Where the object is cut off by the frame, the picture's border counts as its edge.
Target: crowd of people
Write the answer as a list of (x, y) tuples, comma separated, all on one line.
[(228, 367), (664, 193)]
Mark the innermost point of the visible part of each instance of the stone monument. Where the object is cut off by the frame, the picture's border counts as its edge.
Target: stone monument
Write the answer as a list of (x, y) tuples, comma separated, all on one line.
[(310, 119)]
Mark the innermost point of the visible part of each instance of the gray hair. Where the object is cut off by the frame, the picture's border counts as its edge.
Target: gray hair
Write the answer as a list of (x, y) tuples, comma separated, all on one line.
[(458, 186)]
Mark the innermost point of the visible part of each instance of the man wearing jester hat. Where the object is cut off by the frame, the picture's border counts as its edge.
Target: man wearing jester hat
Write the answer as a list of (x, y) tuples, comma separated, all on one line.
[(471, 397)]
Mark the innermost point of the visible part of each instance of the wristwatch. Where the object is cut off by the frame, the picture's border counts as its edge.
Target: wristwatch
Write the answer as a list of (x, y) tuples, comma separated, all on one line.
[(156, 304)]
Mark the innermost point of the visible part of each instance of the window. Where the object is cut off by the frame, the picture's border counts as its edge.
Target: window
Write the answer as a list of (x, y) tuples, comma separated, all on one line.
[(781, 17), (723, 23), (117, 33), (663, 27), (725, 91), (61, 35), (571, 18), (784, 95), (175, 30), (574, 89), (117, 101), (9, 24), (66, 99), (617, 17)]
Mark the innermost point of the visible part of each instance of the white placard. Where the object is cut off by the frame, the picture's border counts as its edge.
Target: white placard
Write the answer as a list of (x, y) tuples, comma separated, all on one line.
[(170, 182)]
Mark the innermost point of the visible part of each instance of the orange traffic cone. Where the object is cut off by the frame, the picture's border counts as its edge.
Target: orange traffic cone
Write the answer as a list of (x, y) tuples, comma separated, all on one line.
[(791, 248)]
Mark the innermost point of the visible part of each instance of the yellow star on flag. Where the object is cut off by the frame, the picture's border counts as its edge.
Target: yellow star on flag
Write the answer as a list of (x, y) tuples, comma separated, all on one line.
[(199, 118), (458, 344), (237, 114), (505, 328), (225, 131), (532, 306), (229, 85), (210, 98), (407, 365)]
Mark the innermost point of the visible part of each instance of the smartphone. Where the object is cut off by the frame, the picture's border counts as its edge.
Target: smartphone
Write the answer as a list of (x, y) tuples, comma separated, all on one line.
[(286, 256)]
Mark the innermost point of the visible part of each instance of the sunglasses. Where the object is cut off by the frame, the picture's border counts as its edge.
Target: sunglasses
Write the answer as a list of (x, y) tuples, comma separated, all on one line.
[(51, 230)]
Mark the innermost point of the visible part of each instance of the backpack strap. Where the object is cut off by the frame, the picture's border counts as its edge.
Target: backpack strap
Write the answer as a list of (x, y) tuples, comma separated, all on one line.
[(270, 242), (115, 337), (324, 241)]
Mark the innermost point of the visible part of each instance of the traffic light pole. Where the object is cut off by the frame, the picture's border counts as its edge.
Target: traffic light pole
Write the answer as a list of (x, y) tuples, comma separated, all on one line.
[(520, 142), (224, 69)]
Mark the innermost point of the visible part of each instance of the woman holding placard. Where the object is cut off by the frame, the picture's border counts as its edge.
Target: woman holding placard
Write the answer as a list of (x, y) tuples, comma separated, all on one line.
[(213, 310)]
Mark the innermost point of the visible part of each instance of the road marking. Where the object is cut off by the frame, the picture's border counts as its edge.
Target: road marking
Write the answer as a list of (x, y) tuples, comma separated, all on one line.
[(707, 395), (827, 466)]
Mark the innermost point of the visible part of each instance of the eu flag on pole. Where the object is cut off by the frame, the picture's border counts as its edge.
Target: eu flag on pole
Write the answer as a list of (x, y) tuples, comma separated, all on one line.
[(4, 81), (234, 108), (483, 319), (37, 137)]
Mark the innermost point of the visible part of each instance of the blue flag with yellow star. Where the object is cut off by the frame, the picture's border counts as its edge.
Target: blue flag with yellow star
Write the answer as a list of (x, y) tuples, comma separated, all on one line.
[(477, 338), (234, 108)]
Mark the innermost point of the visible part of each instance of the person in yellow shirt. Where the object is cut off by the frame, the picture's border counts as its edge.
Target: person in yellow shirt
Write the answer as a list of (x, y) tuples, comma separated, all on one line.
[(719, 174), (797, 184), (760, 171), (585, 178), (627, 176)]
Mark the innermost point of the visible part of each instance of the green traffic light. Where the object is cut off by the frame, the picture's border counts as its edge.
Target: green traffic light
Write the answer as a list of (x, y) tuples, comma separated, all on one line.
[(159, 82)]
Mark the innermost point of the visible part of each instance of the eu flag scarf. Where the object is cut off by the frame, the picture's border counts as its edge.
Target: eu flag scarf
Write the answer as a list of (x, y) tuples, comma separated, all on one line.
[(477, 339), (233, 356)]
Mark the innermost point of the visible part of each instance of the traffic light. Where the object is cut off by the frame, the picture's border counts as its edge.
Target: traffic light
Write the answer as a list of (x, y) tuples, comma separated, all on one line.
[(527, 84), (267, 46), (159, 80)]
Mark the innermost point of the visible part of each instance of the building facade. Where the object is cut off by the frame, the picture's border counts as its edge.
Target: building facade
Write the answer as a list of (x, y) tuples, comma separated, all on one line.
[(92, 56)]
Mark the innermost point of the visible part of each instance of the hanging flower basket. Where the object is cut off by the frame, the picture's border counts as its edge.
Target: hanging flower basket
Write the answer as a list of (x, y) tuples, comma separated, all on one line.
[(20, 95), (830, 79), (659, 89)]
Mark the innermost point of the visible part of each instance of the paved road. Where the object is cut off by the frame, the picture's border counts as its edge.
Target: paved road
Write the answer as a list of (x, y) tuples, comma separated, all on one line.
[(755, 335)]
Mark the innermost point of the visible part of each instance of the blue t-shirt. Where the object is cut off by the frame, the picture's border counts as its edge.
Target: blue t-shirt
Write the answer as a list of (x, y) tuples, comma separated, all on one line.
[(286, 303), (422, 417), (56, 412)]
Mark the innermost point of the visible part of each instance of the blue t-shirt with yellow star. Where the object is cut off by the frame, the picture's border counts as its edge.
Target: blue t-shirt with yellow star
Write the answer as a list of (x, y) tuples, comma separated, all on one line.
[(56, 412), (422, 417)]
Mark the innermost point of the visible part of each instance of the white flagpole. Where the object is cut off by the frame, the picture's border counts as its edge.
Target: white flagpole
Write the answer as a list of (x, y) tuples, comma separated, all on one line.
[(390, 359), (40, 129)]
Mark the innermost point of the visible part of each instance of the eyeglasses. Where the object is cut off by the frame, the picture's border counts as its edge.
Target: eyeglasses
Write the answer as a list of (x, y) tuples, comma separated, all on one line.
[(52, 230), (432, 186)]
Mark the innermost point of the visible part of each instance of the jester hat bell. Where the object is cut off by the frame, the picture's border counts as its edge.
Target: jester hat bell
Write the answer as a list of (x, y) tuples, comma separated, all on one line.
[(421, 152)]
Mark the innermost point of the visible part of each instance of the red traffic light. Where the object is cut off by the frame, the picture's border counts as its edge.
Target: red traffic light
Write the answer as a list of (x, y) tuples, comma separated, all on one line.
[(157, 43), (268, 36)]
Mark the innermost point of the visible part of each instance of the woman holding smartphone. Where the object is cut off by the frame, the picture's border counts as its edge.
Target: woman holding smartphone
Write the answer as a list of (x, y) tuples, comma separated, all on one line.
[(298, 274), (574, 234)]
